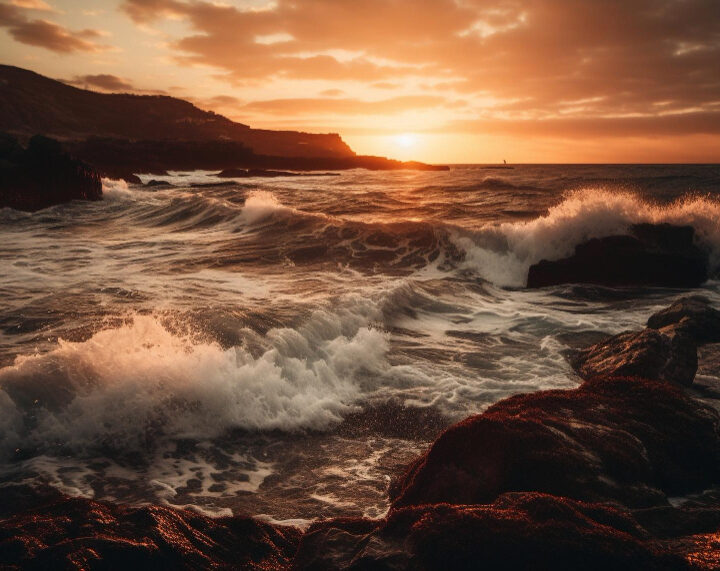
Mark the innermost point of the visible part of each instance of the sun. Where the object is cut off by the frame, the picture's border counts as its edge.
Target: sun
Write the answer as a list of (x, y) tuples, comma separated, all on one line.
[(406, 140)]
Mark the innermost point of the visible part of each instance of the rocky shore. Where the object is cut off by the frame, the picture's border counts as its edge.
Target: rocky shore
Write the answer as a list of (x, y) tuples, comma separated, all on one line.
[(622, 472), (43, 175)]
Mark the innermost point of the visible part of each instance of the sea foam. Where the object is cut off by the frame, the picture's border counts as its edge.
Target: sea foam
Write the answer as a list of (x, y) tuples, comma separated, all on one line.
[(129, 385), (503, 253)]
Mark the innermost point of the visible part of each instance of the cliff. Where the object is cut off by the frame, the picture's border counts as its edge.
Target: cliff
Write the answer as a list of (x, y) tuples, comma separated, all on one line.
[(31, 104)]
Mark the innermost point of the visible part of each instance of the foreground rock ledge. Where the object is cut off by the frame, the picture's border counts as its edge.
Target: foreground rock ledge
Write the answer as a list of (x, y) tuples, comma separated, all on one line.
[(629, 441)]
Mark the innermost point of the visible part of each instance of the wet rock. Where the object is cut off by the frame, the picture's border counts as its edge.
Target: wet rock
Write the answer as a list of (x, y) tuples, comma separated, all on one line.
[(631, 441), (155, 182), (46, 531), (516, 531), (43, 175), (651, 255), (692, 316), (662, 355), (263, 173)]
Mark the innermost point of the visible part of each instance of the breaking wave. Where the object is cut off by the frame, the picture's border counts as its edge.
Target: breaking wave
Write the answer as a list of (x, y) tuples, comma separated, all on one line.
[(126, 386), (503, 253)]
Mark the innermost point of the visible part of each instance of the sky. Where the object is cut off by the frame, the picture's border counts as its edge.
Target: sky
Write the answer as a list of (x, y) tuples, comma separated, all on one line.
[(453, 81)]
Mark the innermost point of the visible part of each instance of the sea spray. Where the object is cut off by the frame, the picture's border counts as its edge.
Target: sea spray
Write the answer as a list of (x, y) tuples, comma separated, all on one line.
[(502, 253), (140, 380)]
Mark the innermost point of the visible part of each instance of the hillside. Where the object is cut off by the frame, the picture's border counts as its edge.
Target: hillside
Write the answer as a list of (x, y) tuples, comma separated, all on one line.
[(32, 104)]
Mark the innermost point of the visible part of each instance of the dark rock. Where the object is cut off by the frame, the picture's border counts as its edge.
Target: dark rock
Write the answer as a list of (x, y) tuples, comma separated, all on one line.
[(661, 355), (654, 255), (131, 178), (517, 531), (262, 173), (43, 175), (57, 532), (247, 173), (692, 316), (626, 440), (155, 182)]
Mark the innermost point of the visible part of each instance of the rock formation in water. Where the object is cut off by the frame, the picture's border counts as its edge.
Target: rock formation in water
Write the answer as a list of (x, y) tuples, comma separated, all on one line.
[(666, 350), (262, 173), (43, 175), (562, 479), (651, 255)]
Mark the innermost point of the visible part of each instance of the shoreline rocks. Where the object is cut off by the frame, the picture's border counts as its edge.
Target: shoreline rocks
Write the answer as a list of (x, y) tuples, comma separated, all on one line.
[(651, 255), (43, 175), (630, 441), (560, 479), (666, 350)]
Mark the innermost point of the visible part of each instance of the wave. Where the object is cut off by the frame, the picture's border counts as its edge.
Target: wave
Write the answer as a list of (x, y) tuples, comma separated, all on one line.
[(259, 228), (128, 386), (115, 189), (503, 253), (260, 205)]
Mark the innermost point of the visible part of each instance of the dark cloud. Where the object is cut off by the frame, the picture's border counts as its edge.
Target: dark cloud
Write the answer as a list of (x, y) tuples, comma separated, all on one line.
[(345, 106), (103, 81), (46, 34)]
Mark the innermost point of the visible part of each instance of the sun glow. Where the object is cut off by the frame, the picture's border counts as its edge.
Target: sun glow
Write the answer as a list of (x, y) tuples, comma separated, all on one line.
[(405, 140)]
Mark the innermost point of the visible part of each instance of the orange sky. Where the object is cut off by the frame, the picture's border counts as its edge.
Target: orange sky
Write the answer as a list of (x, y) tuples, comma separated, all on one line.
[(434, 80)]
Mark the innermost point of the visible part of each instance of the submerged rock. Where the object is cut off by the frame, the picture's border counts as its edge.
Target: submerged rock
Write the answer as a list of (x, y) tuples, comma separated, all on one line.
[(43, 175), (662, 355), (652, 255), (631, 441)]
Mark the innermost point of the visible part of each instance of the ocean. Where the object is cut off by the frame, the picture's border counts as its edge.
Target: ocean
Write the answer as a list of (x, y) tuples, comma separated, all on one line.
[(283, 347)]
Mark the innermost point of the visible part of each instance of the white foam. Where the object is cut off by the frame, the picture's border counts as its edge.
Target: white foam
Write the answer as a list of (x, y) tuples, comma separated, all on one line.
[(115, 189), (140, 381), (260, 205), (502, 254)]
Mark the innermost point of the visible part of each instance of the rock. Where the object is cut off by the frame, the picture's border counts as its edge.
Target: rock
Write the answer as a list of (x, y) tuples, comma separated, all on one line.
[(692, 316), (516, 531), (631, 441), (43, 175), (131, 178), (155, 182), (653, 255), (661, 355), (47, 531), (246, 173), (262, 173)]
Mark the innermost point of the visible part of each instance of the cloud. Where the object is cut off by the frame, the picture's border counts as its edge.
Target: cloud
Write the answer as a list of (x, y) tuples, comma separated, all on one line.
[(103, 82), (345, 106), (549, 63), (43, 33), (32, 5)]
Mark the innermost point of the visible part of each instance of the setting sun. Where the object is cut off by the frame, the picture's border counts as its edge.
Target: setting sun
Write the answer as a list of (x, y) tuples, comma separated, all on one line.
[(405, 140)]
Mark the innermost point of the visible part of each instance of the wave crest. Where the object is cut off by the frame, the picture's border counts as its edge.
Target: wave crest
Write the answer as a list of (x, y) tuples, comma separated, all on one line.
[(502, 254), (125, 386)]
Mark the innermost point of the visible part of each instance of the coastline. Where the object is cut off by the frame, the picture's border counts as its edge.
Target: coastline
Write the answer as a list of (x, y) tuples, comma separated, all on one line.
[(530, 482)]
